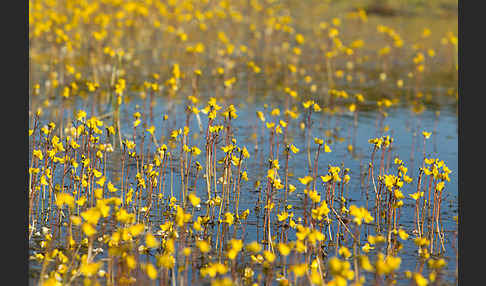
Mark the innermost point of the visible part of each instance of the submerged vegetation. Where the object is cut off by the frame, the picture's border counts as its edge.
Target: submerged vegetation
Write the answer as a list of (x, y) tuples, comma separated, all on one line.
[(218, 142)]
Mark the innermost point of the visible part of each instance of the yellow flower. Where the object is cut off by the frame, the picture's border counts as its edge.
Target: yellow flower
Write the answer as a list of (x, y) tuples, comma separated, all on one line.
[(440, 186), (261, 116), (318, 141), (81, 201), (111, 188), (88, 229), (66, 92), (299, 38), (367, 247), (81, 115), (417, 195), (182, 217), (385, 266), (292, 188), (197, 224), (195, 200), (123, 216), (326, 178), (360, 214), (307, 104), (166, 261), (151, 241), (300, 247), (314, 195), (203, 246), (436, 264), (365, 263), (254, 247), (89, 269), (136, 229), (321, 211), (299, 270), (275, 112), (244, 176), (245, 153), (186, 251), (344, 252), (76, 220), (403, 234), (151, 271), (244, 215), (229, 218), (269, 256), (326, 148), (236, 246), (284, 249), (305, 180), (294, 149), (282, 216), (292, 68), (420, 280), (302, 232), (228, 148), (426, 134), (248, 274), (376, 239), (64, 198), (175, 133), (151, 130), (214, 268), (91, 215), (38, 154), (421, 241)]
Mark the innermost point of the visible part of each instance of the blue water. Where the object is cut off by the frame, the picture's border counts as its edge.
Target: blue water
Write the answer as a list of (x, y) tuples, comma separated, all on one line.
[(404, 126)]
